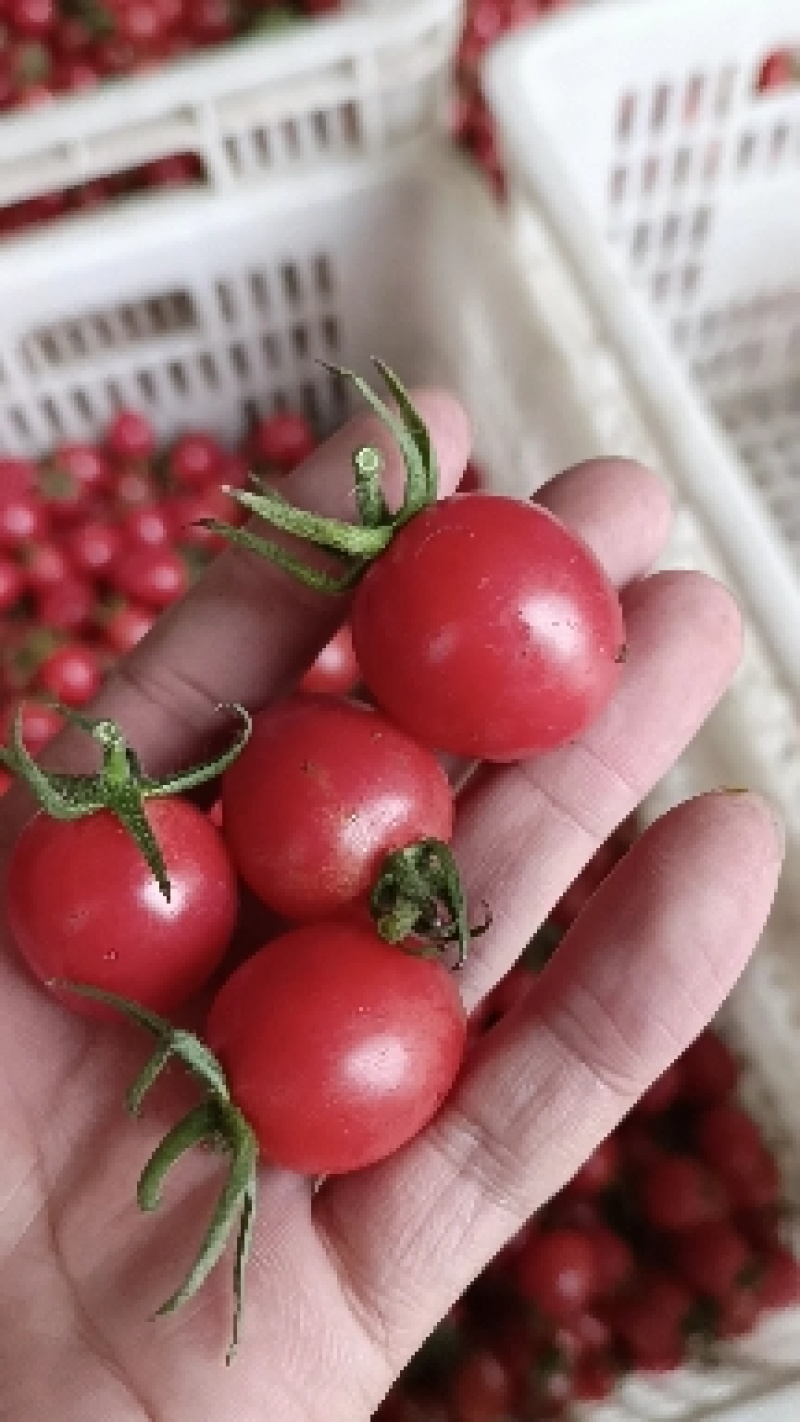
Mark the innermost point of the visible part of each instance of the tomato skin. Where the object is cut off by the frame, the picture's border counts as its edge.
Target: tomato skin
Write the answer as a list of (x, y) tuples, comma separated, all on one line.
[(488, 629), (322, 792), (335, 671), (84, 906), (338, 1047)]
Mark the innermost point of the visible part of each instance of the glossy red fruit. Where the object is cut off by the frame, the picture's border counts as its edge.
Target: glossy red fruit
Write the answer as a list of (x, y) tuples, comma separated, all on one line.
[(779, 1285), (175, 170), (212, 21), (33, 19), (780, 70), (759, 1188), (17, 477), (710, 1070), (130, 436), (649, 1322), (84, 906), (335, 671), (283, 441), (614, 1260), (74, 474), (739, 1312), (678, 1193), (22, 520), (595, 1378), (71, 674), (93, 547), (488, 629), (557, 1272), (713, 1259), (12, 583), (481, 1390), (127, 625), (46, 565), (196, 460), (598, 1172), (140, 22), (147, 526), (154, 576), (730, 1141), (67, 607), (322, 792), (338, 1047), (188, 510)]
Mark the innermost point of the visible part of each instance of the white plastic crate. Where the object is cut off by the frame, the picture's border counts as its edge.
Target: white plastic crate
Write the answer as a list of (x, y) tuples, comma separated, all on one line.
[(210, 308), (672, 186), (360, 81)]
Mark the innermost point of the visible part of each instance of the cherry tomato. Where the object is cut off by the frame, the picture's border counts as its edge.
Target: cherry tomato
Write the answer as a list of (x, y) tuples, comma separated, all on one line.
[(595, 1378), (739, 1312), (488, 629), (147, 526), (71, 674), (613, 1260), (46, 565), (283, 440), (713, 1258), (322, 792), (678, 1193), (482, 1389), (127, 625), (196, 460), (154, 576), (335, 671), (649, 1322), (67, 607), (779, 1286), (84, 906), (22, 519), (93, 547), (338, 1047), (710, 1070), (130, 435), (558, 1272)]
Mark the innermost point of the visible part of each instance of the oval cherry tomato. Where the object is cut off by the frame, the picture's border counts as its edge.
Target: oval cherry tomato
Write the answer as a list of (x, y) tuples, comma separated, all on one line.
[(338, 1047), (283, 440), (558, 1272), (320, 795), (488, 629), (335, 671), (84, 906)]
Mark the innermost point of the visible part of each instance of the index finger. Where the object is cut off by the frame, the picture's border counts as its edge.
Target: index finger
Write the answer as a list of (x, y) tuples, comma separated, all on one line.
[(247, 630)]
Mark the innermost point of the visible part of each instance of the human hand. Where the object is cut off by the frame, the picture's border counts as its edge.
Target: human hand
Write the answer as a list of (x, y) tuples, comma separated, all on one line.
[(344, 1284)]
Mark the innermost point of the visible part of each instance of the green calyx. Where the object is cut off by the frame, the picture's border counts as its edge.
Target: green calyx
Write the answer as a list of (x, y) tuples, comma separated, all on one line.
[(214, 1122), (419, 894), (121, 787), (354, 545)]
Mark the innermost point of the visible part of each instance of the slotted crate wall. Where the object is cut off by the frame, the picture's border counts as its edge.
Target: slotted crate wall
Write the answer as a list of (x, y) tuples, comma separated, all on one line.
[(642, 133)]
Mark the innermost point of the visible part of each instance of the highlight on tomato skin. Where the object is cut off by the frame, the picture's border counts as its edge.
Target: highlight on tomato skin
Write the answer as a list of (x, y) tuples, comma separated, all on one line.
[(322, 793), (338, 1047), (488, 629)]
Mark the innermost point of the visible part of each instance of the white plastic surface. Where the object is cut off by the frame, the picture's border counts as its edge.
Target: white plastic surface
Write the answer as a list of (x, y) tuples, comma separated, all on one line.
[(673, 188), (212, 308), (361, 81)]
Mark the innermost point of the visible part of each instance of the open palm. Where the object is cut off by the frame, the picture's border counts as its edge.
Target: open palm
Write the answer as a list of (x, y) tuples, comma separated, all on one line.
[(344, 1284)]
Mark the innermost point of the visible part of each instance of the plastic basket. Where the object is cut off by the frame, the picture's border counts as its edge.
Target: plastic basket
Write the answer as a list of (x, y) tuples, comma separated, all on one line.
[(672, 186), (361, 81), (211, 308)]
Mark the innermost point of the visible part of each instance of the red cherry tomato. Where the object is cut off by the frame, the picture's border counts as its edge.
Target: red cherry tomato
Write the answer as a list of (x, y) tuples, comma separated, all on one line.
[(283, 441), (127, 625), (558, 1272), (710, 1070), (713, 1258), (46, 565), (154, 576), (130, 436), (147, 526), (72, 674), (335, 671), (779, 1286), (322, 792), (196, 460), (613, 1259), (678, 1193), (22, 519), (338, 1047), (84, 906), (93, 547), (488, 629), (17, 476), (68, 607), (482, 1389)]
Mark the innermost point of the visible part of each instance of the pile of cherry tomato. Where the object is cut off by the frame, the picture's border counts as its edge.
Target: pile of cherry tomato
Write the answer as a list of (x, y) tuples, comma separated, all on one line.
[(668, 1239), (97, 539)]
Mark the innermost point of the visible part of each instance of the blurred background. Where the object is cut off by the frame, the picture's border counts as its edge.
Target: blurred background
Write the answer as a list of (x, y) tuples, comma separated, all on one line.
[(585, 219)]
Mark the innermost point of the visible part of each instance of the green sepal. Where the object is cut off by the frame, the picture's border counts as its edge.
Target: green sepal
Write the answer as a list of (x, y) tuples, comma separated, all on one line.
[(419, 893), (121, 787)]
